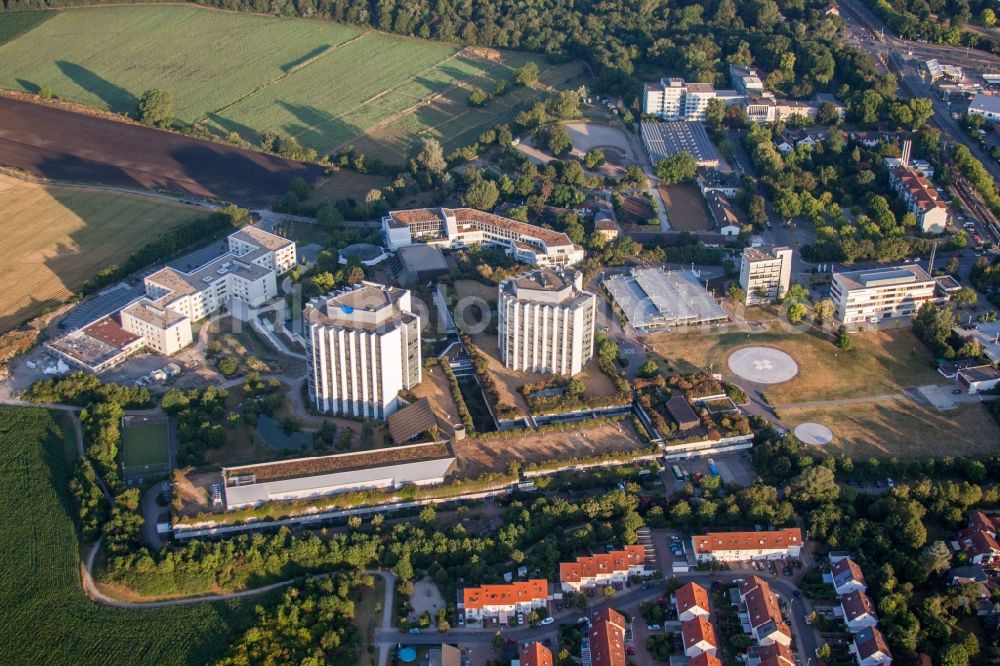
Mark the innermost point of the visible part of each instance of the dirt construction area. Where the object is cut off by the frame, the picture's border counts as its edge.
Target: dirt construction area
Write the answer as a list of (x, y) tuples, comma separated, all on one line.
[(62, 145), (494, 455)]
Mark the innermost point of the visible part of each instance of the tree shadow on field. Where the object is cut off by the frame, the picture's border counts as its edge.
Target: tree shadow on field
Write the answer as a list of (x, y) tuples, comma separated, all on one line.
[(28, 86), (319, 129), (227, 125), (306, 57), (118, 99)]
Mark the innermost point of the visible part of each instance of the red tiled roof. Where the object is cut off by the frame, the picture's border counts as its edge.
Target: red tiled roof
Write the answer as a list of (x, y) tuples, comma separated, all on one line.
[(705, 659), (856, 604), (976, 542), (771, 540), (535, 654), (776, 654), (762, 606), (980, 520), (505, 595), (602, 563), (696, 630), (607, 639), (870, 642), (691, 595), (847, 564)]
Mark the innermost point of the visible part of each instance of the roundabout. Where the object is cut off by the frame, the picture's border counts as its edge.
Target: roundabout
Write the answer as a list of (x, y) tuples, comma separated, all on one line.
[(763, 365)]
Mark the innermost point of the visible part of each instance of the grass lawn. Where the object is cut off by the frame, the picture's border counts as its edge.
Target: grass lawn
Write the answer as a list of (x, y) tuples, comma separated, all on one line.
[(326, 84), (346, 184), (57, 237), (881, 362), (47, 618), (903, 429), (145, 446)]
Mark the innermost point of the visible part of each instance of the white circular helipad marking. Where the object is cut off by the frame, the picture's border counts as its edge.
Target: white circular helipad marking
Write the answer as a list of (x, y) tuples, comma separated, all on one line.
[(763, 365), (816, 434)]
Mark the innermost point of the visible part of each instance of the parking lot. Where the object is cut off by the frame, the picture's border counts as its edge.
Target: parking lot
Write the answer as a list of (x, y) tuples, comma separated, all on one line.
[(735, 469)]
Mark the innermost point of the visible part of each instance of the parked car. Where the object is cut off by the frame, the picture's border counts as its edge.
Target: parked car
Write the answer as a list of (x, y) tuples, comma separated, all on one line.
[(548, 620), (582, 620), (889, 483), (653, 627), (414, 630)]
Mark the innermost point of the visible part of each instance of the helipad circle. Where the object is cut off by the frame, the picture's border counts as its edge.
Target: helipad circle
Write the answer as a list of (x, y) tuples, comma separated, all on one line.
[(816, 434), (763, 365)]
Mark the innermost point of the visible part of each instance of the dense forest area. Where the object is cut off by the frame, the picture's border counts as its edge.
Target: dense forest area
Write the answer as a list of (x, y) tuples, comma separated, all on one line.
[(793, 40), (940, 21)]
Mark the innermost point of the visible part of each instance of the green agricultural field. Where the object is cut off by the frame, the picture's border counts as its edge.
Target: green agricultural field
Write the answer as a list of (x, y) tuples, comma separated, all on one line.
[(16, 24), (326, 84), (47, 618)]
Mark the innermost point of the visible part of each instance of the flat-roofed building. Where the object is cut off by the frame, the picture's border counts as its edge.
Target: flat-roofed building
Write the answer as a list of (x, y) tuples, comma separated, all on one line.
[(669, 138), (363, 348), (602, 569), (987, 106), (245, 273), (305, 478), (489, 601), (97, 347), (675, 99), (762, 545), (463, 227), (881, 293), (653, 299), (546, 322), (765, 275), (161, 328)]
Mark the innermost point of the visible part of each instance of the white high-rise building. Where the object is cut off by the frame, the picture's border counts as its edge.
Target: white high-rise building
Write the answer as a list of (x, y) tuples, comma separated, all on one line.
[(546, 322), (765, 276), (363, 345), (675, 99)]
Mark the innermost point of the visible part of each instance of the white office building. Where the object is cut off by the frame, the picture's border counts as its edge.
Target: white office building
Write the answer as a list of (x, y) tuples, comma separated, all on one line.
[(463, 227), (546, 322), (765, 275), (245, 274), (881, 293), (363, 345), (675, 99)]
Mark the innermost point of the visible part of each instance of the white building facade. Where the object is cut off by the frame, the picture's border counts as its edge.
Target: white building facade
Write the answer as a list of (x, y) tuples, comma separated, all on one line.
[(883, 293), (363, 348), (765, 275), (546, 322)]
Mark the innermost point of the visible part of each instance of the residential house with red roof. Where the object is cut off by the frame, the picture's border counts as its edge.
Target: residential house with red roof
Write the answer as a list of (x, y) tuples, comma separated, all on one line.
[(535, 654), (698, 636), (858, 611), (705, 659), (487, 601), (870, 648), (775, 654), (733, 546), (847, 576), (602, 569), (764, 613), (607, 639), (691, 601)]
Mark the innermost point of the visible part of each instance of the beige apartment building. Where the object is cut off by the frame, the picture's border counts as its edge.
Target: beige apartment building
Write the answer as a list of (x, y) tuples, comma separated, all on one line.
[(363, 348), (881, 293), (765, 275), (546, 322)]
